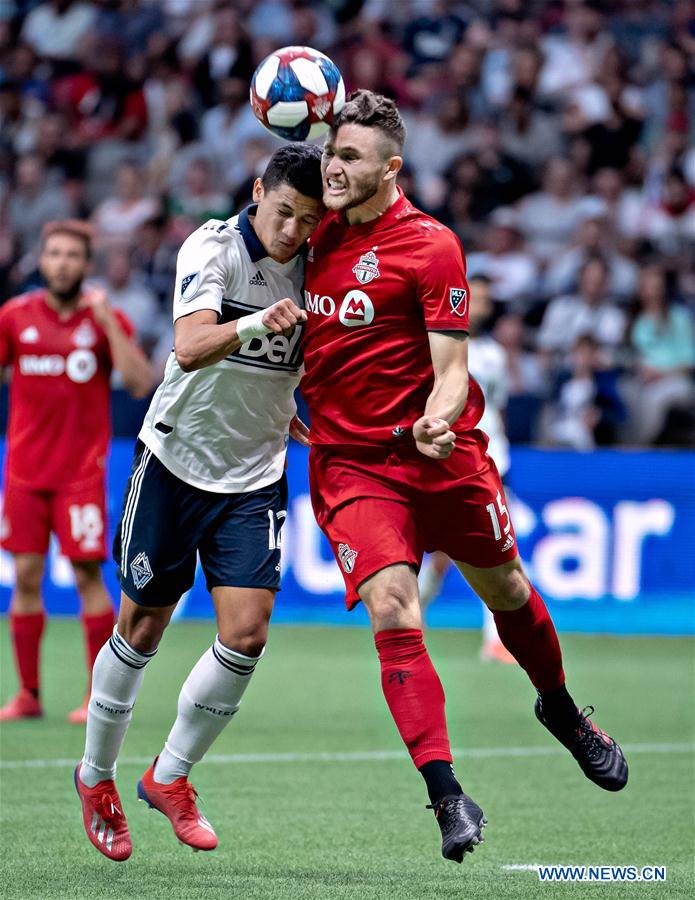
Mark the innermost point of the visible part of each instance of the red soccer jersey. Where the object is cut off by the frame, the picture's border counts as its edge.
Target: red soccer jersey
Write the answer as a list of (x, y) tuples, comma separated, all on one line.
[(60, 417), (373, 291)]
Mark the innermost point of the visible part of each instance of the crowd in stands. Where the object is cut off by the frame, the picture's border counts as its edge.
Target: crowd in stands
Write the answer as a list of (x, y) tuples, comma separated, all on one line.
[(555, 138)]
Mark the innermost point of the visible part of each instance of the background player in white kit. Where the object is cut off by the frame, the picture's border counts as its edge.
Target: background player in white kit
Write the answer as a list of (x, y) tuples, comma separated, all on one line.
[(208, 477), (487, 362)]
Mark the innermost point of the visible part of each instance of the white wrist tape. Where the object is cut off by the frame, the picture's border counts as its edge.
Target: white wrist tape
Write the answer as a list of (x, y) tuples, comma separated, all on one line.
[(248, 327)]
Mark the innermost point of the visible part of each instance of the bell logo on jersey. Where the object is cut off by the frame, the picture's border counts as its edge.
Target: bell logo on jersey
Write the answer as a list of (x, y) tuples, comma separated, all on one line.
[(458, 297), (80, 365), (356, 309), (367, 268), (347, 557), (189, 286)]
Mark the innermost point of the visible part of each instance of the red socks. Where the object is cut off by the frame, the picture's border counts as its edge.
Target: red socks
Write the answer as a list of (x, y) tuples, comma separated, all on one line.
[(529, 635), (97, 630), (26, 631), (414, 694)]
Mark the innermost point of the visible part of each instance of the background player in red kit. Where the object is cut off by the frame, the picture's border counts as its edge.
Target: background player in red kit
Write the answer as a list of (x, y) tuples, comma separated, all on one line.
[(61, 344), (397, 465)]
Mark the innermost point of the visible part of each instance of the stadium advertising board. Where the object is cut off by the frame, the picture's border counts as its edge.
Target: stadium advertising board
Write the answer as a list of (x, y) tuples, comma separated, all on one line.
[(607, 537)]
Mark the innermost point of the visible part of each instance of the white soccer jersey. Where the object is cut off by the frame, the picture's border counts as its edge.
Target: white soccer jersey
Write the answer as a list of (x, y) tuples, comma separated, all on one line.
[(224, 427), (487, 363)]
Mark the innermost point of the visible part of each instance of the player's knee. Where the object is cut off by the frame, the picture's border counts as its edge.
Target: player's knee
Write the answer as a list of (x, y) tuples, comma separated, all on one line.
[(249, 641), (507, 592), (393, 606), (144, 634), (28, 577), (87, 576)]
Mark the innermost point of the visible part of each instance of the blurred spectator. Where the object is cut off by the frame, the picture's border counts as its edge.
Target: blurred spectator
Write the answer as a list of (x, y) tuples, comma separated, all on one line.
[(229, 56), (663, 338), (133, 21), (120, 215), (590, 311), (548, 218), (527, 375), (528, 134), (432, 36), (128, 292), (594, 238), (57, 28), (588, 408), (197, 198), (505, 179), (102, 101), (669, 222), (154, 257), (33, 202), (510, 268)]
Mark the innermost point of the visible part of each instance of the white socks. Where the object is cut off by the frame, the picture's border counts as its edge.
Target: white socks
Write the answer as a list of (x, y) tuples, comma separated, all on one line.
[(116, 679), (209, 698)]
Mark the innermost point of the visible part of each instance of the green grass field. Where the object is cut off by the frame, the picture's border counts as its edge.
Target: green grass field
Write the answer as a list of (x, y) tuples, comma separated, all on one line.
[(308, 824)]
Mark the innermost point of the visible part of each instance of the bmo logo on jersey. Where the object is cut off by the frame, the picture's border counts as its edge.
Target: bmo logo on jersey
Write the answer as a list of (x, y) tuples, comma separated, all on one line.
[(79, 366), (356, 309)]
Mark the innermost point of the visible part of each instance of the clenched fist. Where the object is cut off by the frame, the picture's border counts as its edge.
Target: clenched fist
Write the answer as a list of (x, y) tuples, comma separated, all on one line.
[(282, 317), (433, 437)]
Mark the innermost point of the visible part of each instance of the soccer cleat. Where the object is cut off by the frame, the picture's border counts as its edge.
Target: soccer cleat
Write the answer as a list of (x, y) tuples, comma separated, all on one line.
[(79, 716), (598, 755), (23, 706), (495, 651), (461, 821), (177, 801), (103, 818)]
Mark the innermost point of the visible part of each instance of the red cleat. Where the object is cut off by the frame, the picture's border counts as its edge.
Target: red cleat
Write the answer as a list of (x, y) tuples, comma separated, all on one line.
[(23, 706), (495, 651), (177, 802), (79, 716), (103, 818)]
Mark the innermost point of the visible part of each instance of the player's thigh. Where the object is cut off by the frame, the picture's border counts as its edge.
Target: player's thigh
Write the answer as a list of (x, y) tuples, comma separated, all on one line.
[(391, 598), (243, 617), (471, 522), (25, 526), (504, 587), (373, 535), (161, 526), (242, 547), (78, 517)]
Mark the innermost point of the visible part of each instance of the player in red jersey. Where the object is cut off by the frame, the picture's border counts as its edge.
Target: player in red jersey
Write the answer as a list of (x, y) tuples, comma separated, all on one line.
[(397, 464), (61, 344)]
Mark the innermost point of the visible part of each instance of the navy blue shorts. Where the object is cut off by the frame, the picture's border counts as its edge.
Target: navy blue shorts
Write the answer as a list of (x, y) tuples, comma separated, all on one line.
[(166, 521)]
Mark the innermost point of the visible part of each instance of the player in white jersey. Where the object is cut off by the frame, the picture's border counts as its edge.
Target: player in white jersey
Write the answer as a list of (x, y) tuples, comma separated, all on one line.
[(208, 479), (487, 362)]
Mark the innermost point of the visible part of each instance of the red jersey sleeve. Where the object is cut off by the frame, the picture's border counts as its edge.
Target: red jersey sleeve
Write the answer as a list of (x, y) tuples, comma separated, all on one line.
[(125, 322), (6, 339), (441, 285)]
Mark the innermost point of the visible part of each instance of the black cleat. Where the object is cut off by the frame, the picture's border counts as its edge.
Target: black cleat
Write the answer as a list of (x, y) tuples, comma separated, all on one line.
[(460, 820), (598, 755)]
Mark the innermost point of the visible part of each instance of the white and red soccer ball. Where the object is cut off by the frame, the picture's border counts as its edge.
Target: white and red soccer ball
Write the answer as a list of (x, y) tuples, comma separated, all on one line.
[(297, 92)]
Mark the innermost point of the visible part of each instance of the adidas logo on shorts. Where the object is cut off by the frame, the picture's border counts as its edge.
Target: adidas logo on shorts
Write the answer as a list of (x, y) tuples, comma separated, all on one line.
[(258, 280)]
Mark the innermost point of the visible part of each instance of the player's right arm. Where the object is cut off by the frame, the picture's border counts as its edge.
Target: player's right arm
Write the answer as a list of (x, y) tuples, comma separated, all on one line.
[(202, 269)]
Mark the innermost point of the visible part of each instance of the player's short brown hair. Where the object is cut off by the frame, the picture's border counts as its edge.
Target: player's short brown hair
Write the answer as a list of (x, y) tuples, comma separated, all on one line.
[(74, 227), (375, 111)]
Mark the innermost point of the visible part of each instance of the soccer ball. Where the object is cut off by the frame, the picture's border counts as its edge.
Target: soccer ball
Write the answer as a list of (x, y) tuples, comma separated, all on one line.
[(296, 92)]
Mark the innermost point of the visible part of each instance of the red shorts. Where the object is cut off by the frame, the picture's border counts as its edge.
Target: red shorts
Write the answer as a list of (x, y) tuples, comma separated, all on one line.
[(75, 514), (379, 507)]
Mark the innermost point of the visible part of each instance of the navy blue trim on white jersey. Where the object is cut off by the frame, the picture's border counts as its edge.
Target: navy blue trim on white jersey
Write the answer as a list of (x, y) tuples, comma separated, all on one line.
[(254, 247)]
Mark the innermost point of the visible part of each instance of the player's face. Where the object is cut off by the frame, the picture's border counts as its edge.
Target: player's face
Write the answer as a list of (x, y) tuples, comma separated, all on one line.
[(64, 264), (284, 219), (353, 169)]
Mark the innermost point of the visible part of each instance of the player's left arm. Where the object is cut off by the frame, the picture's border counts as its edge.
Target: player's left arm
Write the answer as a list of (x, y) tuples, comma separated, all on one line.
[(127, 358), (442, 290), (432, 431)]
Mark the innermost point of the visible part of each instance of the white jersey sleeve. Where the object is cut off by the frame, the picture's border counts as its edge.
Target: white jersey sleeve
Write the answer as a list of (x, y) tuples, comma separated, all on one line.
[(202, 268)]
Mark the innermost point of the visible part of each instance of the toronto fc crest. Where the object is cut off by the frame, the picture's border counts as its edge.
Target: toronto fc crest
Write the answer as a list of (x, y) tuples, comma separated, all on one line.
[(367, 269)]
